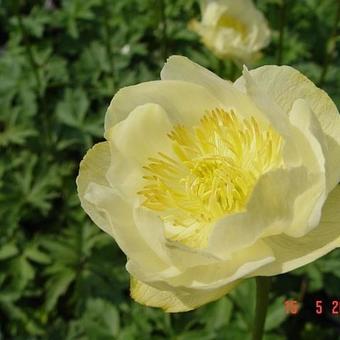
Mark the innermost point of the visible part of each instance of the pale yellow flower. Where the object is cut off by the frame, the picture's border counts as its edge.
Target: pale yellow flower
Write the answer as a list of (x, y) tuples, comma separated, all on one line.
[(203, 183), (232, 29)]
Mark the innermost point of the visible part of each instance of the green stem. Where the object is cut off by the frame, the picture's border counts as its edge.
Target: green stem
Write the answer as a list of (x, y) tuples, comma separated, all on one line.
[(108, 44), (281, 31), (163, 22), (234, 69), (329, 52), (262, 298)]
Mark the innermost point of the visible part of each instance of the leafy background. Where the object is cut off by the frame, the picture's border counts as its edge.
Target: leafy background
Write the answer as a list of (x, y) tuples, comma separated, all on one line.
[(61, 61)]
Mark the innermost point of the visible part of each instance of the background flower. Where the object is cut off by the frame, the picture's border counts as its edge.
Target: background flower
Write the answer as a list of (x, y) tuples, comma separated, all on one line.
[(232, 29)]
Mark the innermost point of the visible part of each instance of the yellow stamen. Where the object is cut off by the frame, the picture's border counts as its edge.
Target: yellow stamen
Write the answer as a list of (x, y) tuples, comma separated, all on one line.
[(215, 167), (227, 21)]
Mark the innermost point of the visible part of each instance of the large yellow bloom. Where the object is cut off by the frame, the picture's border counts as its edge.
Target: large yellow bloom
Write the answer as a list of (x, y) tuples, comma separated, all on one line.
[(203, 183), (232, 29)]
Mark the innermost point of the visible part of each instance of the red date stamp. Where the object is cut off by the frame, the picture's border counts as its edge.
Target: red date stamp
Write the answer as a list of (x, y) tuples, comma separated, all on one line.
[(292, 307)]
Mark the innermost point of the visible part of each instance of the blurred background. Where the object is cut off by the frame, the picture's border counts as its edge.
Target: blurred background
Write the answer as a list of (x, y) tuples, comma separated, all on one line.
[(61, 61)]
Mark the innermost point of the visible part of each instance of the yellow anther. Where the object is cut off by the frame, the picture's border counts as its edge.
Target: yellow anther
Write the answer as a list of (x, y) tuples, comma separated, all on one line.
[(215, 167)]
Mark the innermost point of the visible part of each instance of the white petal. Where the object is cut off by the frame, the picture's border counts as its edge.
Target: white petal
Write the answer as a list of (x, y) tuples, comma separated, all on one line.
[(143, 133), (93, 169), (210, 276), (285, 85), (291, 253), (108, 209), (312, 148), (184, 102), (174, 301), (269, 211), (181, 68)]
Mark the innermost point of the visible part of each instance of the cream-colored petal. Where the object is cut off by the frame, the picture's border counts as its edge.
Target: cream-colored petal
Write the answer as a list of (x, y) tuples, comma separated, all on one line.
[(189, 262), (269, 211), (272, 111), (285, 85), (110, 211), (197, 285), (276, 116), (291, 253), (184, 102), (312, 147), (174, 301), (93, 169), (219, 274), (117, 213), (209, 276), (211, 12), (182, 68), (124, 174), (143, 133), (152, 228), (305, 144)]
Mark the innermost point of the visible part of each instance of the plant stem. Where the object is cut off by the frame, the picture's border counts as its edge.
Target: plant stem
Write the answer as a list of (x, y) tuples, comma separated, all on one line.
[(281, 31), (163, 22), (262, 298), (234, 70), (329, 52)]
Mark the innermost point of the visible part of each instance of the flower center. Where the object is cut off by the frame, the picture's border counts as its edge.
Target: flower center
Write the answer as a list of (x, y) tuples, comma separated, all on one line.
[(212, 172), (227, 21)]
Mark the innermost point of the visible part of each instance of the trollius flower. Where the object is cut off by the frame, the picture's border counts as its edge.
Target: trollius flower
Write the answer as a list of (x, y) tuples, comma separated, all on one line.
[(232, 29), (203, 183)]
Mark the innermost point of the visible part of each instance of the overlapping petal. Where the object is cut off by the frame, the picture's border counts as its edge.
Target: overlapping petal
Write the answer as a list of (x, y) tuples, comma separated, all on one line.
[(173, 302), (291, 252), (285, 85), (184, 102)]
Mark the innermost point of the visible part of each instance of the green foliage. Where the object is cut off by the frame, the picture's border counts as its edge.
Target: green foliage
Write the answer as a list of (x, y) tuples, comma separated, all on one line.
[(61, 61)]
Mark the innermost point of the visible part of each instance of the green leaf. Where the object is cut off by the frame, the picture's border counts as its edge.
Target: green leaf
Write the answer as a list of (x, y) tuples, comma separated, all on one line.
[(56, 286), (34, 254), (7, 251), (217, 314), (276, 314)]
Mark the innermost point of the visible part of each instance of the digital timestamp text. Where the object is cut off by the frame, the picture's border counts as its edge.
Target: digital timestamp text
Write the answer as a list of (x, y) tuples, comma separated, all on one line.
[(292, 307)]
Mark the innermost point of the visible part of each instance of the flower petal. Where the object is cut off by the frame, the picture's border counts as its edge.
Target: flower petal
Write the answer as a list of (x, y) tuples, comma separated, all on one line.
[(291, 253), (124, 174), (305, 143), (92, 169), (198, 285), (269, 211), (312, 147), (209, 276), (143, 133), (182, 68), (285, 85), (151, 228), (110, 211), (184, 102), (174, 301)]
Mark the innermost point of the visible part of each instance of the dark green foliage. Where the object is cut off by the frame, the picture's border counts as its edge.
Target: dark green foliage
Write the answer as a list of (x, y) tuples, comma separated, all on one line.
[(61, 61)]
